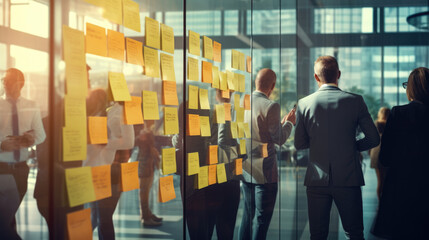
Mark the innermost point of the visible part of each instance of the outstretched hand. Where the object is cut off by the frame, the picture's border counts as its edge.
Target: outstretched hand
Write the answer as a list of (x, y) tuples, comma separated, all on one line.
[(291, 117)]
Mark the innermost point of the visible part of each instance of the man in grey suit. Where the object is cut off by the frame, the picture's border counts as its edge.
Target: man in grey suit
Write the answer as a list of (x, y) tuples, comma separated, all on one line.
[(327, 121), (260, 170)]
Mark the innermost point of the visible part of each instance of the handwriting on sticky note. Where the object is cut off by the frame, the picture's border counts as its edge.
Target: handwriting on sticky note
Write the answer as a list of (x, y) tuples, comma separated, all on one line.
[(212, 174), (207, 75), (133, 111), (213, 157), (74, 143), (227, 111), (168, 161), (151, 67), (217, 51), (131, 15), (79, 226), (193, 163), (169, 93), (167, 67), (152, 33), (192, 97), (215, 77), (205, 126), (238, 166), (194, 43), (208, 48), (129, 176), (97, 129), (220, 113), (193, 69), (150, 105), (74, 111), (203, 177), (221, 173), (113, 11), (193, 128), (234, 132), (96, 42), (115, 45), (247, 102), (167, 39), (134, 51), (171, 121), (204, 99), (242, 146), (80, 188), (166, 189), (118, 86), (230, 79), (101, 181)]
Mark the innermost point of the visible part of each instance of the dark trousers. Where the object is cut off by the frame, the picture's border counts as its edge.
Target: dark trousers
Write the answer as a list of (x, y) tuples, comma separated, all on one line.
[(349, 203), (259, 202)]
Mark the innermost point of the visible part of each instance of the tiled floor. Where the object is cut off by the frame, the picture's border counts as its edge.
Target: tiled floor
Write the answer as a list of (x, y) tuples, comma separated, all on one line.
[(289, 220)]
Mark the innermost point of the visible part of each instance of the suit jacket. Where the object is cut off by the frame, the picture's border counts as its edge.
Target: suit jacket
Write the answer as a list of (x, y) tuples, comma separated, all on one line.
[(327, 122), (266, 128)]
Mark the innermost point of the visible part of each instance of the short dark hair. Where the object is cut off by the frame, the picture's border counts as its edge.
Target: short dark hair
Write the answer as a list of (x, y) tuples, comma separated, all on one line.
[(328, 72), (418, 85)]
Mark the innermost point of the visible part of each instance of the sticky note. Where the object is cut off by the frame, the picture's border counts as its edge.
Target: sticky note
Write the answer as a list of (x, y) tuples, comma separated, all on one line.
[(207, 75), (101, 181), (223, 81), (212, 156), (169, 93), (238, 166), (240, 130), (204, 99), (96, 40), (134, 52), (236, 101), (167, 67), (234, 132), (242, 146), (234, 59), (74, 143), (80, 188), (129, 176), (205, 126), (203, 177), (241, 83), (79, 226), (166, 189), (113, 11), (220, 113), (239, 114), (74, 112), (227, 111), (193, 69), (208, 48), (235, 82), (241, 61), (168, 161), (152, 33), (150, 105), (247, 102), (167, 38), (230, 79), (221, 173), (215, 77), (217, 51), (247, 130), (226, 94), (151, 67), (193, 128), (171, 121), (97, 129), (249, 64), (193, 163), (133, 111), (118, 86), (115, 45), (212, 174), (131, 15), (192, 97), (264, 150), (194, 43)]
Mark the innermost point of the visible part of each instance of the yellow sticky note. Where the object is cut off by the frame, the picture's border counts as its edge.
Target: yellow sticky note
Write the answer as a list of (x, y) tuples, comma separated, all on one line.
[(192, 97), (169, 93), (234, 59), (193, 163), (129, 176), (212, 174), (150, 105), (234, 132), (242, 146), (194, 43), (226, 94), (171, 121), (167, 39), (113, 11), (227, 111), (215, 77), (208, 48), (241, 61), (118, 86), (239, 114), (212, 156), (241, 83), (166, 189), (235, 82), (131, 15), (236, 101), (74, 112), (151, 66), (74, 143), (230, 79), (247, 102), (223, 81), (193, 69), (220, 113), (193, 128), (167, 67), (247, 130), (97, 129), (238, 166), (207, 68), (221, 173), (204, 99), (133, 111), (115, 45), (264, 150), (101, 181), (152, 33), (240, 130), (79, 226), (217, 51), (205, 126), (134, 52), (168, 161), (203, 177), (249, 64), (79, 185), (96, 40)]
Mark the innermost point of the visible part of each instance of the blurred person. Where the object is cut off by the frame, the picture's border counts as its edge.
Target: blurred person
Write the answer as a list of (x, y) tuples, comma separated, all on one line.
[(327, 121)]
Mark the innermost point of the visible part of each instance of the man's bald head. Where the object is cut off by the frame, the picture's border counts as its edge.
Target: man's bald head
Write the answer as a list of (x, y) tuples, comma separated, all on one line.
[(265, 80), (326, 68)]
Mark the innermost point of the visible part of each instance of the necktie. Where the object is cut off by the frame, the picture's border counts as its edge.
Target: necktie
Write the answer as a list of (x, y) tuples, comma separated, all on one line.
[(15, 128)]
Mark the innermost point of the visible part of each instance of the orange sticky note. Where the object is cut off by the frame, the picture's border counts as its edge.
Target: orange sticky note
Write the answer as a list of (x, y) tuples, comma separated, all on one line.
[(247, 102), (152, 33), (212, 174), (134, 52), (167, 39), (171, 121), (194, 43), (207, 75), (150, 105), (213, 157), (238, 166), (220, 113), (264, 150), (131, 15), (97, 128), (79, 226), (202, 177), (221, 173), (204, 99), (215, 75), (193, 163), (192, 97), (193, 69), (249, 64), (217, 51), (208, 48), (242, 146), (205, 126), (101, 181), (151, 67), (133, 111), (226, 94), (167, 67), (129, 176), (227, 111), (115, 45), (166, 189), (193, 128), (169, 93), (96, 42)]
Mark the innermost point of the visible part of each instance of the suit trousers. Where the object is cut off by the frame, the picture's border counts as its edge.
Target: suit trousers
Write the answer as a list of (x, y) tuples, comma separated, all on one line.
[(349, 203)]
